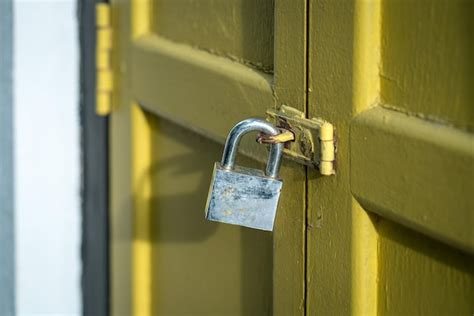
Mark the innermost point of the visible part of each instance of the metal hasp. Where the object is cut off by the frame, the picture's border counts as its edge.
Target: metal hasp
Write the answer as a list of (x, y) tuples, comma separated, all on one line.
[(314, 143), (245, 196)]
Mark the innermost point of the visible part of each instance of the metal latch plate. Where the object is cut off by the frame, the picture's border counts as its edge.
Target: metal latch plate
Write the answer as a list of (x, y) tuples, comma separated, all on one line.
[(314, 144)]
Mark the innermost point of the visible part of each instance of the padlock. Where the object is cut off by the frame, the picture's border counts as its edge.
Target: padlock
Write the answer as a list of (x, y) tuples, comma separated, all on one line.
[(244, 196)]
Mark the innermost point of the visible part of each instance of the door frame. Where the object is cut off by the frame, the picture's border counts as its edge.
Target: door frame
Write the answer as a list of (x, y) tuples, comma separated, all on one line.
[(137, 52), (95, 176)]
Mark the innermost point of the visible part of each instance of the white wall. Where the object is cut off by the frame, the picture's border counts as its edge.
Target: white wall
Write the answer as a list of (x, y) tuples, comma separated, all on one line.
[(47, 157)]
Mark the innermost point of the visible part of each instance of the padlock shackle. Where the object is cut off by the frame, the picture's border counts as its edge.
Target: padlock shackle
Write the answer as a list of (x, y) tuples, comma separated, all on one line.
[(244, 127)]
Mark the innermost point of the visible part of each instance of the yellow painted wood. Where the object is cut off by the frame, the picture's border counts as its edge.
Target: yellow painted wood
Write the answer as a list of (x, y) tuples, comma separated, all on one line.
[(121, 184), (162, 93), (289, 236), (422, 173), (200, 267), (104, 80), (359, 260), (330, 204), (340, 244), (104, 37), (427, 69), (103, 103), (289, 243), (142, 161), (290, 46), (196, 88), (187, 100), (366, 90), (103, 60), (142, 182), (104, 76), (141, 15), (102, 12), (230, 28), (422, 276)]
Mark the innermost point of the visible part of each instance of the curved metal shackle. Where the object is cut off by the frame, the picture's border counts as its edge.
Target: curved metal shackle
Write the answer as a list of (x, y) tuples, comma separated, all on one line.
[(242, 128)]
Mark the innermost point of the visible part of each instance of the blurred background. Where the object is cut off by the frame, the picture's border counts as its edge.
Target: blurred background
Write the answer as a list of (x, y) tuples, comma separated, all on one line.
[(40, 146)]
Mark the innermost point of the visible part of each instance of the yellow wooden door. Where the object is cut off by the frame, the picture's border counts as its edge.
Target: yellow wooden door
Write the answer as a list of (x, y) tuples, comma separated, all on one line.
[(390, 233), (186, 72)]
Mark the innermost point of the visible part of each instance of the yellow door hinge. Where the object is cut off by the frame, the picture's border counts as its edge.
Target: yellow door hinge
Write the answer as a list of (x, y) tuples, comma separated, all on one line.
[(104, 74)]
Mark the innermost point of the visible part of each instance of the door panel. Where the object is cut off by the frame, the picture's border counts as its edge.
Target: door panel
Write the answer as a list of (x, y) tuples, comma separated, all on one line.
[(200, 267), (417, 273), (197, 89), (415, 175), (226, 28), (177, 94), (415, 79), (391, 233)]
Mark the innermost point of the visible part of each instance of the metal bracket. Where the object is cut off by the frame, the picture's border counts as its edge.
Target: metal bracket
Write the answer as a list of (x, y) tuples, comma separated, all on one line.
[(314, 143)]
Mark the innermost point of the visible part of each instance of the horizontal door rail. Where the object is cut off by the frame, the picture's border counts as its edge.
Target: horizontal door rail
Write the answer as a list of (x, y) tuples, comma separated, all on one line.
[(415, 172), (198, 90)]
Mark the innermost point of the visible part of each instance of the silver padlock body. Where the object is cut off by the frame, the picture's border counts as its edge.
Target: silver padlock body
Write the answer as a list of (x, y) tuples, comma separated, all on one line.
[(244, 197)]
